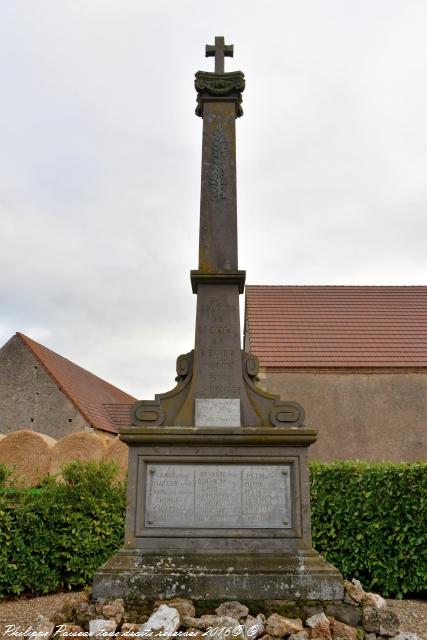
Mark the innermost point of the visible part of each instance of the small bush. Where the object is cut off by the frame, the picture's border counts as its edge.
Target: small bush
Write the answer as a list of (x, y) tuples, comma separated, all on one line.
[(369, 520)]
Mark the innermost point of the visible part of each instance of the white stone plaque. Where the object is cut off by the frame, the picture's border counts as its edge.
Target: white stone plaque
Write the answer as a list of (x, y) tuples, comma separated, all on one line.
[(212, 496), (217, 412)]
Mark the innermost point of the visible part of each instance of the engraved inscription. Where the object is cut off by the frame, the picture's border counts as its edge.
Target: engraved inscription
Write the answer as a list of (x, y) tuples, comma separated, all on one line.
[(217, 177), (199, 495), (215, 505), (217, 359), (219, 352), (259, 500), (216, 310), (169, 491), (217, 412)]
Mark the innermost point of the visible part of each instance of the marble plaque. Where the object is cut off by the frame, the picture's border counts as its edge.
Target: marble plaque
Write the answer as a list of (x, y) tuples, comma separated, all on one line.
[(199, 495), (217, 412)]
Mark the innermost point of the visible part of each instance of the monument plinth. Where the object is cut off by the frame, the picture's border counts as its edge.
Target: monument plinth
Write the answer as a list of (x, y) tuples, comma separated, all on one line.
[(218, 490)]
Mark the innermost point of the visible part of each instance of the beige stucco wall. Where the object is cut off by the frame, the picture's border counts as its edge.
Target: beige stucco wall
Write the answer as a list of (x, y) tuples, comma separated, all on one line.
[(30, 399), (367, 416)]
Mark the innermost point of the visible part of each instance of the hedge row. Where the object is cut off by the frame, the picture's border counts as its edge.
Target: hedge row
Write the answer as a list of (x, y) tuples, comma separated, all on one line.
[(368, 519), (57, 537)]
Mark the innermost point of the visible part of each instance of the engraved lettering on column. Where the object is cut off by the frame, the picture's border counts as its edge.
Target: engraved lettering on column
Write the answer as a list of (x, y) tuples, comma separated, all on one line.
[(218, 322)]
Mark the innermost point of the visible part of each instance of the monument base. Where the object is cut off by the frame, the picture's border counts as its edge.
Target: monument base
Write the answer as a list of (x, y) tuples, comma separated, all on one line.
[(218, 513), (135, 576)]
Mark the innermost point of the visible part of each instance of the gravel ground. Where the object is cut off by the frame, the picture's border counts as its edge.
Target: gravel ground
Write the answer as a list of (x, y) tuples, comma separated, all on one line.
[(412, 615), (23, 611)]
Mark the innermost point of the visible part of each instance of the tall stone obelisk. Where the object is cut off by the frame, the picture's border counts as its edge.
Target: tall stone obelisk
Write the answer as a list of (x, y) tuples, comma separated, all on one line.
[(218, 493)]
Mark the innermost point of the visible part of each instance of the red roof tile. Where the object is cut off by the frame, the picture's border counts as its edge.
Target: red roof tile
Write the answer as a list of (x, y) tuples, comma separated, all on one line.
[(86, 391), (334, 326)]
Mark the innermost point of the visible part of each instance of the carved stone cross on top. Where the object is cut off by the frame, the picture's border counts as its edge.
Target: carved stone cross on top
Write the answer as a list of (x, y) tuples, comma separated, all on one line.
[(219, 50)]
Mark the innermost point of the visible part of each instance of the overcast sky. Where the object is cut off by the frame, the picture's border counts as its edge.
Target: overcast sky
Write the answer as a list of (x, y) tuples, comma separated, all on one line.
[(100, 163)]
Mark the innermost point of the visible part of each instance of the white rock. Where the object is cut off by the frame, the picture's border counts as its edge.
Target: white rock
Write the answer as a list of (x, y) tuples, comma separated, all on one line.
[(44, 627), (254, 627), (232, 610), (106, 626), (184, 606), (320, 627), (165, 619), (223, 627), (406, 635), (318, 618), (374, 600)]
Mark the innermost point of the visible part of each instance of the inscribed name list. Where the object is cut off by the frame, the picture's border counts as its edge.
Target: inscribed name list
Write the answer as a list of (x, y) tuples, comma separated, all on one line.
[(218, 496)]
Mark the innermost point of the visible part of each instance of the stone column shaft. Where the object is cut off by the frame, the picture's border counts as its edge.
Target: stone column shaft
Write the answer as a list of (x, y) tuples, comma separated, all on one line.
[(218, 207)]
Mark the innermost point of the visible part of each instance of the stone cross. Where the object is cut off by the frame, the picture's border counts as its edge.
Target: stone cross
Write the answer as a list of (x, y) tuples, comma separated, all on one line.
[(219, 50)]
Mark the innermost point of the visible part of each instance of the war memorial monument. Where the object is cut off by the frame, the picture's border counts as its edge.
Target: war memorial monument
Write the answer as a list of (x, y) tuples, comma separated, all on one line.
[(218, 489)]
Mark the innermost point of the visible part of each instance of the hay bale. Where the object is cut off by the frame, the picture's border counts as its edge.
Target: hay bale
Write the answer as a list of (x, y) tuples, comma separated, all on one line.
[(106, 437), (118, 452), (29, 453), (76, 446)]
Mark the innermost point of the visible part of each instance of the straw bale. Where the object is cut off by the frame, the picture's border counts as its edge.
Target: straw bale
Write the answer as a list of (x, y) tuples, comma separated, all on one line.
[(105, 436), (118, 452), (29, 453), (77, 446)]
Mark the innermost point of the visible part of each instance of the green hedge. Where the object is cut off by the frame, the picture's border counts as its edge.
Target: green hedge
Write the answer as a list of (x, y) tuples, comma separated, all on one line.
[(368, 519), (57, 537)]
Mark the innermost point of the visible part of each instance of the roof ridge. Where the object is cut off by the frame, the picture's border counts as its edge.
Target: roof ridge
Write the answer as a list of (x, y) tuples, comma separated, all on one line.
[(336, 286)]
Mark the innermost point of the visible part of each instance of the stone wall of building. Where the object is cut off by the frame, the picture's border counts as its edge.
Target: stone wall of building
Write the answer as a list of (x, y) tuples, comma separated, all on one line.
[(30, 399), (366, 416)]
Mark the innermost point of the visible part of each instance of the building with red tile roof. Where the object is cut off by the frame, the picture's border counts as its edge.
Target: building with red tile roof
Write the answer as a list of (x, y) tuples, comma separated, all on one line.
[(354, 357), (43, 391)]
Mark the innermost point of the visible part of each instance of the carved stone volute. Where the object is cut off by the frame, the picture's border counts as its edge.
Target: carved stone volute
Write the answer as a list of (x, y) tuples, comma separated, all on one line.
[(270, 410), (166, 406)]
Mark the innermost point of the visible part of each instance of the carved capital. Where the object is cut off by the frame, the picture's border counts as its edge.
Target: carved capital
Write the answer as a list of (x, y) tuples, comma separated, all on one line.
[(223, 87)]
